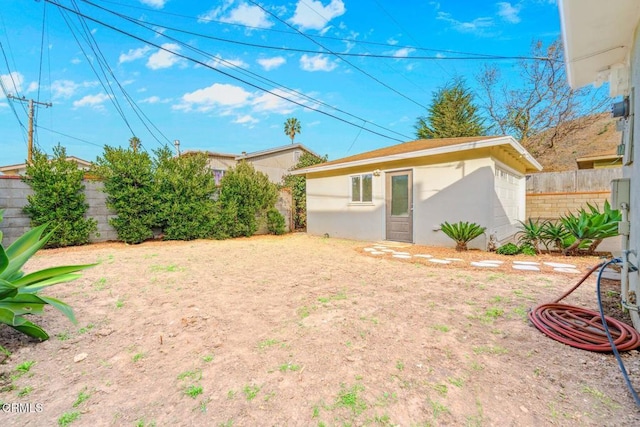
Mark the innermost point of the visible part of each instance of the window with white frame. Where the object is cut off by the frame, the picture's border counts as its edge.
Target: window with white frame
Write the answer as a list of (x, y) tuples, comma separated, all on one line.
[(362, 188)]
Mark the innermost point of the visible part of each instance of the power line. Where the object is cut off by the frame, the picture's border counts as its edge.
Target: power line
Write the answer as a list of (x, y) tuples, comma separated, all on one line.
[(241, 70), (68, 136), (179, 55), (339, 57), (467, 55)]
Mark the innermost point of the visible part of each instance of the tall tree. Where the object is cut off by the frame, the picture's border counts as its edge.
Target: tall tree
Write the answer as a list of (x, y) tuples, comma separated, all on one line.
[(539, 100), (292, 127), (452, 113)]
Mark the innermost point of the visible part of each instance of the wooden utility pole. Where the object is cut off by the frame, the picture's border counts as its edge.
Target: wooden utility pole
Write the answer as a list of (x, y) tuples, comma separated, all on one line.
[(32, 104)]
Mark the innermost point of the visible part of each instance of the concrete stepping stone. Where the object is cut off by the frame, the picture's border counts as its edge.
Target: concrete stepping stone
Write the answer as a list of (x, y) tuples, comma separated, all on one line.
[(377, 253), (526, 263), (439, 261), (369, 249), (566, 270), (454, 259), (403, 256), (387, 250), (558, 265), (492, 261), (525, 267), (423, 256), (485, 264), (401, 253), (380, 247)]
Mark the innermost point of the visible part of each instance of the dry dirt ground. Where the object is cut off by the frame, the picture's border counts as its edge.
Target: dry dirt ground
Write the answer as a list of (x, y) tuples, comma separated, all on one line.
[(299, 330)]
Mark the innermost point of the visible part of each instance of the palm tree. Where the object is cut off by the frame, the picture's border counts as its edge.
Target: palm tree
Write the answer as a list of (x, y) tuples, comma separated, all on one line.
[(291, 127)]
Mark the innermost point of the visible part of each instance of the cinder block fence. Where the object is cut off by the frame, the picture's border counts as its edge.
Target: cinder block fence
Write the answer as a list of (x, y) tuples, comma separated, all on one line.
[(13, 198)]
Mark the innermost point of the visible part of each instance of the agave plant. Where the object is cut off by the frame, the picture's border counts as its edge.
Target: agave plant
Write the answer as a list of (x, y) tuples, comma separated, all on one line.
[(554, 233), (531, 233), (462, 233), (19, 292), (591, 227)]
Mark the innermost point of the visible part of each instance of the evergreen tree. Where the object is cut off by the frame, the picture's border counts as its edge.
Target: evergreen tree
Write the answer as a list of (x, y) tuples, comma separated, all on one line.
[(452, 114)]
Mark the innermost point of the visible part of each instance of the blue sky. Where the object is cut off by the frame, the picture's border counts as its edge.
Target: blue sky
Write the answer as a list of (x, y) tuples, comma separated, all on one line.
[(197, 71)]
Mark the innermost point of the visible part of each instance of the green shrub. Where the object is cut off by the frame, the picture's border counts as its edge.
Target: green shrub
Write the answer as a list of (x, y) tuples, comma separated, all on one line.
[(462, 233), (298, 186), (58, 198), (184, 189), (554, 233), (528, 250), (19, 292), (245, 197), (129, 184), (275, 222), (508, 249)]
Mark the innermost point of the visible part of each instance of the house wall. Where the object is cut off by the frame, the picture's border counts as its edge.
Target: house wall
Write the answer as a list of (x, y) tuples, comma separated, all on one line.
[(276, 165), (444, 189), (633, 171)]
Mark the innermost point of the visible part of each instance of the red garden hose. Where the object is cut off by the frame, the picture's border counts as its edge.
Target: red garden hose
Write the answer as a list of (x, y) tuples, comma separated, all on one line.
[(582, 328)]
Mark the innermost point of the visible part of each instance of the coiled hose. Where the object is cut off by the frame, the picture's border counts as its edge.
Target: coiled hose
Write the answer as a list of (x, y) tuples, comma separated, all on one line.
[(586, 329)]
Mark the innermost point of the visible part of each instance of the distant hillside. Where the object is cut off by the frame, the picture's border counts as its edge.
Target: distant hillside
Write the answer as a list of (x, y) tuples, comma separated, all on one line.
[(595, 138)]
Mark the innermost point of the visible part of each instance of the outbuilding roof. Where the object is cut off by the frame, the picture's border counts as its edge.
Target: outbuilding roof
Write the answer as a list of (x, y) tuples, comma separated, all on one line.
[(429, 147)]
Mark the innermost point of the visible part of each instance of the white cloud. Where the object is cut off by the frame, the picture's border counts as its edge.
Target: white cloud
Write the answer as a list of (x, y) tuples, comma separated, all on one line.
[(76, 61), (246, 119), (68, 88), (13, 82), (134, 54), (392, 41), (313, 15), (403, 52), (271, 63), (244, 14), (33, 86), (206, 99), (164, 59), (93, 101), (268, 102), (318, 62), (220, 62), (508, 12), (477, 26), (156, 4), (154, 100)]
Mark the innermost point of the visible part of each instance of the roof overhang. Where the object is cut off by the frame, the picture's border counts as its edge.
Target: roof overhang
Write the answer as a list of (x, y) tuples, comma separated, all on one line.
[(509, 142), (598, 37)]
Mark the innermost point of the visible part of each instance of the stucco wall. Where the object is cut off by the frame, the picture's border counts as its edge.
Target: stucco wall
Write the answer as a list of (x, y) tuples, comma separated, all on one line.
[(330, 210), (277, 164), (633, 171), (460, 190)]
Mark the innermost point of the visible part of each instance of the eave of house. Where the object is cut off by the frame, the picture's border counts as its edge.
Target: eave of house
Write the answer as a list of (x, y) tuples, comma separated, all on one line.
[(598, 38), (517, 152), (275, 150)]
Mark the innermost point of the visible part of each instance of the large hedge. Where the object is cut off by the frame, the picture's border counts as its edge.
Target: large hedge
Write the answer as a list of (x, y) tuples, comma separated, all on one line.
[(185, 191), (128, 178), (58, 198)]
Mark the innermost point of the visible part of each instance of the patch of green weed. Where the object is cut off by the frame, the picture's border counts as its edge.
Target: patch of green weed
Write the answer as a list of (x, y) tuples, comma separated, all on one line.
[(67, 418), (250, 391), (350, 398)]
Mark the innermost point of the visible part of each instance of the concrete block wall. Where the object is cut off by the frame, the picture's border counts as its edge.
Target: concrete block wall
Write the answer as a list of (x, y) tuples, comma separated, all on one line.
[(13, 198), (554, 205)]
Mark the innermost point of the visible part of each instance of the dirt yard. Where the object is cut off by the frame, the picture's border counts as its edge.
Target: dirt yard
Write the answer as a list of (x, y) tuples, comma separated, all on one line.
[(298, 331)]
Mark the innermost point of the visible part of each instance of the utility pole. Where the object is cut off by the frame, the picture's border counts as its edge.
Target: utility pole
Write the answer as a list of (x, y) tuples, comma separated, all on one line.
[(32, 104), (176, 143)]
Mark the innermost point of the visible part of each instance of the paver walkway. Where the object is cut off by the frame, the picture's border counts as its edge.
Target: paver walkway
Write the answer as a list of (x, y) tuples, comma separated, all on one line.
[(382, 250)]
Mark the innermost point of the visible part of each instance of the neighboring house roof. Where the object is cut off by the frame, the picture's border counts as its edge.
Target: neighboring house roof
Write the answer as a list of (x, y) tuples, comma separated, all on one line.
[(597, 37), (13, 169), (603, 160), (428, 147), (248, 156)]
